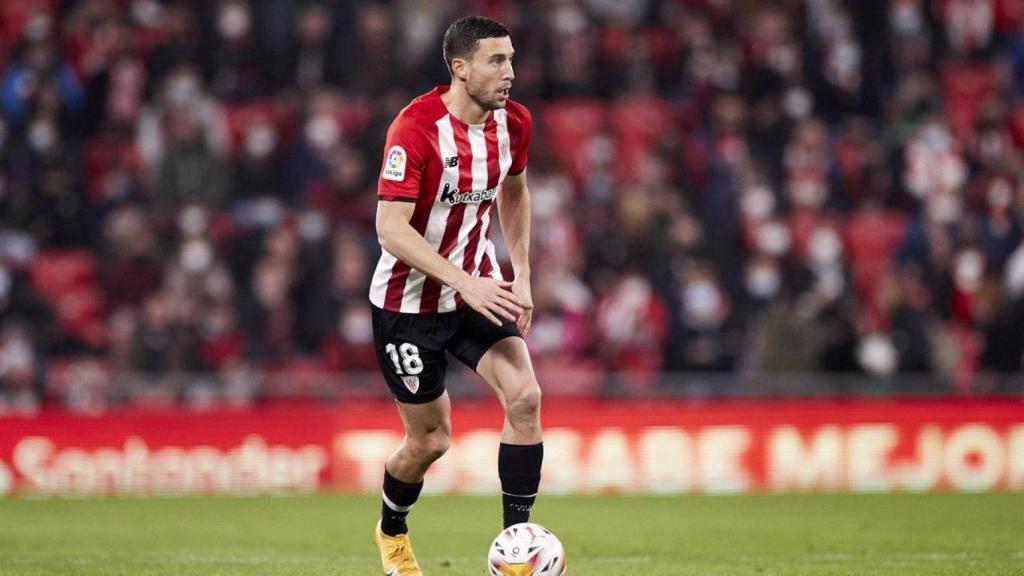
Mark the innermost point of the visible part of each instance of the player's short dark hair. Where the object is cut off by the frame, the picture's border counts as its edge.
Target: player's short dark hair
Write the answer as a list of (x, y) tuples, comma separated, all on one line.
[(460, 40)]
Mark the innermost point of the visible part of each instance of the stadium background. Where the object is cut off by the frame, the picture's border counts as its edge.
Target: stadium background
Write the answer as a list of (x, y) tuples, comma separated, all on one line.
[(777, 246)]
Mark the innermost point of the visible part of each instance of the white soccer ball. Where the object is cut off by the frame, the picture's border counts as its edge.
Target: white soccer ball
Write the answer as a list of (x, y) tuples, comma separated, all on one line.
[(526, 550)]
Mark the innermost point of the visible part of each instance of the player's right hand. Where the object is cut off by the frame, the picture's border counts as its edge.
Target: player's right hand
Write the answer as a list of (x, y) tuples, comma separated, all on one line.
[(490, 297)]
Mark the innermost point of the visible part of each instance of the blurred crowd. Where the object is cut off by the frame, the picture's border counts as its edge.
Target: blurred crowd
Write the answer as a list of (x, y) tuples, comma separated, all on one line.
[(801, 186)]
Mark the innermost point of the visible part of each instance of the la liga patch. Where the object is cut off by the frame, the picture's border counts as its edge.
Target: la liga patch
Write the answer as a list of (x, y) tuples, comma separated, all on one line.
[(394, 164)]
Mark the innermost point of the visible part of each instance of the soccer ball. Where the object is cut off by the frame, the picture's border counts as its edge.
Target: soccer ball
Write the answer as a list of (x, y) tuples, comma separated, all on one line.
[(526, 550)]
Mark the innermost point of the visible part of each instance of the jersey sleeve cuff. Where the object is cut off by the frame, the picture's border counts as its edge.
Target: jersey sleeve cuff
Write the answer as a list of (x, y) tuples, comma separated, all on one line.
[(393, 198)]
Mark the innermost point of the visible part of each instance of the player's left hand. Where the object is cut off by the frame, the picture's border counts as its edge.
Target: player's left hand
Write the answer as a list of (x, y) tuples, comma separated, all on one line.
[(521, 288)]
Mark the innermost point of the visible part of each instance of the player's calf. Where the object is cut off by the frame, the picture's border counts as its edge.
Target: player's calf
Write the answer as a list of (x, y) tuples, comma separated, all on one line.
[(519, 471)]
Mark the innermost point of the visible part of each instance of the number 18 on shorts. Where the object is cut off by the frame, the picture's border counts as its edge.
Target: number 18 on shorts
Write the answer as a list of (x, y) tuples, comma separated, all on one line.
[(412, 348)]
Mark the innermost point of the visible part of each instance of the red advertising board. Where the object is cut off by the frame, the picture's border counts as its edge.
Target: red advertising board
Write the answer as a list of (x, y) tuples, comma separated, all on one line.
[(591, 446)]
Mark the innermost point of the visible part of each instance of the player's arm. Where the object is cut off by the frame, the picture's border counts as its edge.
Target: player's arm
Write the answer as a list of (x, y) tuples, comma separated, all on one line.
[(514, 215), (488, 296)]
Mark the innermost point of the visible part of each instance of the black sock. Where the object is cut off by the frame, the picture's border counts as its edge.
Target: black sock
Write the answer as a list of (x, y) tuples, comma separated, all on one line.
[(398, 498), (519, 471)]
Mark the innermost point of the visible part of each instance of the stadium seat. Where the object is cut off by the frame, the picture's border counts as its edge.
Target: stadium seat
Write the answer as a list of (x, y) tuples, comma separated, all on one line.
[(568, 125), (638, 122), (872, 237), (57, 271)]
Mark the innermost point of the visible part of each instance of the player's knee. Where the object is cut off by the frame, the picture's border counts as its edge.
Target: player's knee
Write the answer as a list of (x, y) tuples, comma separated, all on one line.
[(432, 446), (525, 403)]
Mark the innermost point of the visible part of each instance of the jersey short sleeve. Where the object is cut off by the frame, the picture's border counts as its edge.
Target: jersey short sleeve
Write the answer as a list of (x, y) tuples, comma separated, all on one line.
[(405, 160), (522, 148)]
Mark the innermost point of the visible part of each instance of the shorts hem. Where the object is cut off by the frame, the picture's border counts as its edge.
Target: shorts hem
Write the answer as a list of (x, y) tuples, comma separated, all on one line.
[(420, 399)]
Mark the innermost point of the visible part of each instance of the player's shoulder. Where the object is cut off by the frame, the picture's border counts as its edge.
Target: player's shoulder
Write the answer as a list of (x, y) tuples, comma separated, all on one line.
[(421, 113), (518, 114)]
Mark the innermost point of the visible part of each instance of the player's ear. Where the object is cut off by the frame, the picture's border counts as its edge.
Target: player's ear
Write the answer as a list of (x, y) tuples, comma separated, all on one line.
[(459, 68)]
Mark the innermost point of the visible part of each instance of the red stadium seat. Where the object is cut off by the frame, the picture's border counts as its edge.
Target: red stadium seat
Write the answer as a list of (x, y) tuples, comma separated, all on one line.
[(568, 125), (56, 272), (872, 237), (80, 313), (965, 89), (638, 122)]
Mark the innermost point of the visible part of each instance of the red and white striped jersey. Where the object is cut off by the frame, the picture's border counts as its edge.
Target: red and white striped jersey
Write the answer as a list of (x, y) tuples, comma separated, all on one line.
[(452, 171)]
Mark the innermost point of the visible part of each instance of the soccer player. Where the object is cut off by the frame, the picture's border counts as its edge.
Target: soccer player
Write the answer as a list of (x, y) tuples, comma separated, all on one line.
[(451, 156)]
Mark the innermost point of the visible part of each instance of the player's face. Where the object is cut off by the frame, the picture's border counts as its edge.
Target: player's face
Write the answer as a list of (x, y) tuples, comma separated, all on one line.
[(490, 74)]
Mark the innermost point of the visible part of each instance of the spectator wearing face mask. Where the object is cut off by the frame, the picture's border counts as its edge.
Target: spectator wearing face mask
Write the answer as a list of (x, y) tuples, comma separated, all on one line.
[(704, 337), (259, 169), (312, 60), (20, 306), (181, 96), (19, 371), (631, 329), (235, 64), (40, 64), (319, 142), (190, 172)]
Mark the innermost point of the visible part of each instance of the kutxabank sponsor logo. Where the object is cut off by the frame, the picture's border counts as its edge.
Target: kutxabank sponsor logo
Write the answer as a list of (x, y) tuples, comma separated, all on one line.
[(451, 195)]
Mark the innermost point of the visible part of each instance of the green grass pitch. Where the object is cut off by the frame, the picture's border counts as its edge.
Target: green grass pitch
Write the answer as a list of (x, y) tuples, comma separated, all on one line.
[(902, 534)]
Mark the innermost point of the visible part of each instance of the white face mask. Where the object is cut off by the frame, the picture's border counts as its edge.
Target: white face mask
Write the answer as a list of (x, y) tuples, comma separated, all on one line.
[(807, 191), (322, 131), (968, 270), (877, 355), (825, 246), (234, 22), (905, 18), (774, 238), (42, 135), (37, 27), (17, 248), (313, 226), (182, 89), (196, 256), (701, 301), (763, 280), (193, 220), (943, 208), (1000, 194), (798, 103), (757, 202), (260, 141), (356, 326), (147, 12), (16, 354), (1013, 277)]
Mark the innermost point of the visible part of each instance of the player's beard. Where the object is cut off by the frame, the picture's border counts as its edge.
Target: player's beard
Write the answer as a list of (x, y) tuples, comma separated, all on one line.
[(483, 98)]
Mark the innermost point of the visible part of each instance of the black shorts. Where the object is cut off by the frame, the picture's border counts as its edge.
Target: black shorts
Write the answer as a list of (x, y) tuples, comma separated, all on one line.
[(411, 348)]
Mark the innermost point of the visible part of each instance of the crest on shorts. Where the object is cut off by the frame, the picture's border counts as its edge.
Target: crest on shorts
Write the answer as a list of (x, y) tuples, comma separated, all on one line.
[(394, 165), (412, 383)]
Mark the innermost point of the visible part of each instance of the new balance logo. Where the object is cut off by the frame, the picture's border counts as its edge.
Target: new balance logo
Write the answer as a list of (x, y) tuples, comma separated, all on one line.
[(451, 162)]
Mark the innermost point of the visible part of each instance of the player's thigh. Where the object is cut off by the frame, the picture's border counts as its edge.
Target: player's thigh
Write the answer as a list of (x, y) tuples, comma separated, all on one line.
[(411, 352), (427, 419), (497, 353), (507, 368)]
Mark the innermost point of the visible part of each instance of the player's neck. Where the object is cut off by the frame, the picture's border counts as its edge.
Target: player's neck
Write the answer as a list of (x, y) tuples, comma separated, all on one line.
[(462, 106)]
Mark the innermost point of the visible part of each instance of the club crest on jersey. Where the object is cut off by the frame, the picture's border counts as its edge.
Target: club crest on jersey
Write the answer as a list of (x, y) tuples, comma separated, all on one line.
[(412, 383), (451, 195), (394, 165)]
